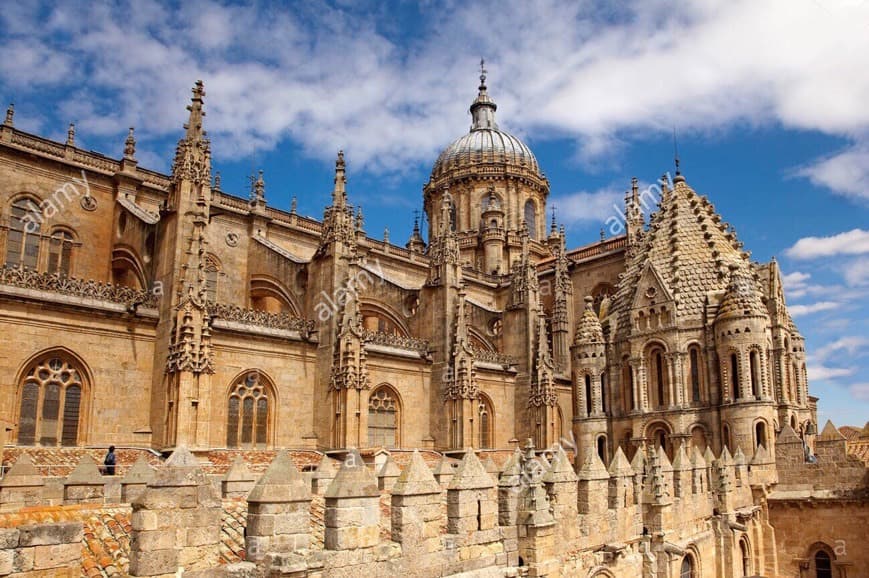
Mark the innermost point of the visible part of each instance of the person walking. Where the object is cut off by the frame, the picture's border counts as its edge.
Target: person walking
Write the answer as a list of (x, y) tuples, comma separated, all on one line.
[(109, 462)]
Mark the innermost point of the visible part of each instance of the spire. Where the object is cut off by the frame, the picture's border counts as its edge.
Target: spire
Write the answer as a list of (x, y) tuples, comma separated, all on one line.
[(483, 108), (415, 244), (130, 146), (678, 178), (194, 123), (339, 193)]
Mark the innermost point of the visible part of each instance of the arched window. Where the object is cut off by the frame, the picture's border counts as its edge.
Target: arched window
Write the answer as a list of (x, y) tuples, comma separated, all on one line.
[(383, 418), (823, 565), (22, 239), (658, 381), (51, 397), (531, 218), (628, 380), (247, 424), (603, 403), (127, 269), (734, 376), (60, 253), (754, 369), (698, 438), (687, 568), (588, 405), (725, 434), (694, 361), (212, 271), (267, 295), (453, 216), (485, 422), (759, 434), (601, 448)]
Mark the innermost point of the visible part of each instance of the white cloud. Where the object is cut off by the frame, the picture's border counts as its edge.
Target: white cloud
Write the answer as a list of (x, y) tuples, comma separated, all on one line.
[(823, 373), (796, 283), (330, 77), (850, 344), (846, 173), (854, 242), (856, 272), (585, 207), (798, 310), (859, 391)]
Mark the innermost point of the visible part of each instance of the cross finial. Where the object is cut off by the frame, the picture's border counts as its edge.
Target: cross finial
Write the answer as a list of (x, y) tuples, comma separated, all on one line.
[(483, 74)]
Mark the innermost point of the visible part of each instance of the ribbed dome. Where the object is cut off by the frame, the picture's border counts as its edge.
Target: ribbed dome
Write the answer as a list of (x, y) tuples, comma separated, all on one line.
[(485, 143)]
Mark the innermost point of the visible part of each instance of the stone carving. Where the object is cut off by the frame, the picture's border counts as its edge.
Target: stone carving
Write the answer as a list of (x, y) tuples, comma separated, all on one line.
[(349, 368), (30, 279), (283, 321), (392, 340), (461, 382)]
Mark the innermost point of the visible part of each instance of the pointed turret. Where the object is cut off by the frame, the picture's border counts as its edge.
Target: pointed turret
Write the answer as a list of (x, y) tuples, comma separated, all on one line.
[(416, 244)]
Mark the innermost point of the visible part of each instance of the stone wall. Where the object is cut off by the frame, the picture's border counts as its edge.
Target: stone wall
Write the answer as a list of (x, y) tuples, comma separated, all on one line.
[(46, 550)]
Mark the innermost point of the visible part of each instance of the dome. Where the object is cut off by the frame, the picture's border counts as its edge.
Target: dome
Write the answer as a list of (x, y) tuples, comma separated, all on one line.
[(485, 143)]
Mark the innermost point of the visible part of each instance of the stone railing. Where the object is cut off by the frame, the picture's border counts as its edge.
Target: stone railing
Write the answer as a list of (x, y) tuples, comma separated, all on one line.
[(399, 341), (88, 289), (600, 248), (282, 321), (486, 356)]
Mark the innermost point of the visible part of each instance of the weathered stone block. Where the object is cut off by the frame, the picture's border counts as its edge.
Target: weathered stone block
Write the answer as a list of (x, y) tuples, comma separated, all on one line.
[(8, 538), (56, 555), (153, 562), (47, 534)]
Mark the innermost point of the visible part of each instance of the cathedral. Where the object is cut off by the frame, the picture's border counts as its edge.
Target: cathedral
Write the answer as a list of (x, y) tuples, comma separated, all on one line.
[(158, 311)]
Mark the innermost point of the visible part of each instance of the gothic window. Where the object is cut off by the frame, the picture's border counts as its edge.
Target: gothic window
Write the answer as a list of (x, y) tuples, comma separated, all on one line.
[(485, 422), (51, 397), (694, 360), (212, 271), (754, 370), (734, 376), (687, 568), (588, 405), (531, 218), (22, 240), (247, 423), (60, 253), (383, 418), (823, 565)]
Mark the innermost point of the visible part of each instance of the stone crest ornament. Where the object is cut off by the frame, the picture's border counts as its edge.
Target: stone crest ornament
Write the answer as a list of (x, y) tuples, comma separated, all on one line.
[(88, 203), (232, 239)]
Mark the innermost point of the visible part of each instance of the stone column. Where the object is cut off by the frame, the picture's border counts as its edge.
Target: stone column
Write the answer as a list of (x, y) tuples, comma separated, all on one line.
[(472, 500), (136, 480), (352, 507), (593, 482), (22, 486), (508, 490), (278, 511), (176, 520), (416, 507), (85, 484), (560, 482)]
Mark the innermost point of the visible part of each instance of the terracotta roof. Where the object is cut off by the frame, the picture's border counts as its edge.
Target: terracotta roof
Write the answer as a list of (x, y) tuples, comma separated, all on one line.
[(59, 462)]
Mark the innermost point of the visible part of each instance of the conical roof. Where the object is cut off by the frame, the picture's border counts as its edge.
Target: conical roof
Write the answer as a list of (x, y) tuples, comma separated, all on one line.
[(688, 247), (743, 297), (588, 328)]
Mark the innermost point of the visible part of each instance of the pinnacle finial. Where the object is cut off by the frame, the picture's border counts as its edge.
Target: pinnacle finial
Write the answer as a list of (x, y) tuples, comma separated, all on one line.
[(483, 73), (294, 205), (10, 114), (130, 145), (217, 181), (70, 135), (194, 123), (602, 234), (553, 229)]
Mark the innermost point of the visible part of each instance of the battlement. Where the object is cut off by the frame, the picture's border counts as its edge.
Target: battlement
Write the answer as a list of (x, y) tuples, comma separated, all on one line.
[(531, 515)]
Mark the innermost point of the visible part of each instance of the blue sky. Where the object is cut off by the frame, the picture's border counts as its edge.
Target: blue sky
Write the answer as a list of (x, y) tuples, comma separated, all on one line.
[(768, 98)]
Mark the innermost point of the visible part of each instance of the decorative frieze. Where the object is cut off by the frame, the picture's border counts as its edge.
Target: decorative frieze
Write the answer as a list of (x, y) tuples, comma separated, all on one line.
[(87, 288)]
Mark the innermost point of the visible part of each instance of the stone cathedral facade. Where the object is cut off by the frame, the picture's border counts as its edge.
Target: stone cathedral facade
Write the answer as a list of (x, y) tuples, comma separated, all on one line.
[(149, 310)]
